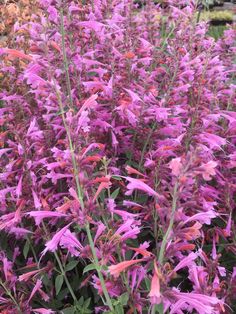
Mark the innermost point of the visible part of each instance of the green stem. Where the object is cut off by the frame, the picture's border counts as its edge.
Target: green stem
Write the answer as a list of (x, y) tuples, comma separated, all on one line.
[(65, 60), (11, 297), (80, 196), (74, 162), (98, 269), (166, 236), (199, 12), (145, 146), (143, 153), (65, 276)]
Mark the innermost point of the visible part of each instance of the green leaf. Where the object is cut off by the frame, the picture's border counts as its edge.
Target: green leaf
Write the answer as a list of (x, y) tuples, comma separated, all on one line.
[(58, 283), (124, 298), (92, 73), (69, 310), (87, 303), (88, 268), (26, 249), (102, 195), (115, 193), (81, 301), (119, 309), (71, 265), (147, 283), (159, 308), (116, 178)]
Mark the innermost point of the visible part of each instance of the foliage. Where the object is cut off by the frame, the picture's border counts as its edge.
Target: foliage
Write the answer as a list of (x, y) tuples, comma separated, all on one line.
[(217, 31), (117, 161), (217, 16)]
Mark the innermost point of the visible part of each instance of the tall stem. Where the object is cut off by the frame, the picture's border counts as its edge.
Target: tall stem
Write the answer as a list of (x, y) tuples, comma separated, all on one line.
[(98, 268), (74, 162), (80, 196), (166, 236), (65, 60)]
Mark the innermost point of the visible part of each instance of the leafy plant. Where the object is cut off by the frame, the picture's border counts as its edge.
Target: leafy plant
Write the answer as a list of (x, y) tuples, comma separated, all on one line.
[(118, 161)]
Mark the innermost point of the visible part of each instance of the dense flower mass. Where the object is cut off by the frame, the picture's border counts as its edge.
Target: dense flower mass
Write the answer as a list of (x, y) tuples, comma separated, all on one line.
[(118, 133)]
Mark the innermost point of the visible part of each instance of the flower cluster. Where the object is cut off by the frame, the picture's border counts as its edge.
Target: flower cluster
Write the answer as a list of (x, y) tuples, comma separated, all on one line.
[(117, 161)]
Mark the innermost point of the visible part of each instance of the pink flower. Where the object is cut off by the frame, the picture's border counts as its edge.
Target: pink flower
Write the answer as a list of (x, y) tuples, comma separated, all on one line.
[(71, 243), (27, 276), (128, 230), (202, 303), (131, 170), (214, 141), (176, 166), (137, 184), (187, 261), (115, 270), (37, 286), (94, 25), (105, 184), (208, 170), (18, 54), (43, 311), (40, 215), (203, 217), (227, 230), (155, 294), (53, 243), (37, 203)]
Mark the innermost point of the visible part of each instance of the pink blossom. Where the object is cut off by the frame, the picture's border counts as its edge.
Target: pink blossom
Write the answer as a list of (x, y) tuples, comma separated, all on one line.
[(137, 184), (43, 311), (115, 270), (208, 170), (40, 215), (203, 304), (53, 243), (70, 242), (155, 294), (176, 166)]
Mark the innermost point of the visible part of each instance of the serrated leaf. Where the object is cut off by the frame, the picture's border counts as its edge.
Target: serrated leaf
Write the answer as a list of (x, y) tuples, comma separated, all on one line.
[(80, 302), (69, 310), (87, 303), (58, 283), (123, 299), (26, 249), (119, 309), (115, 193), (71, 265), (88, 268)]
